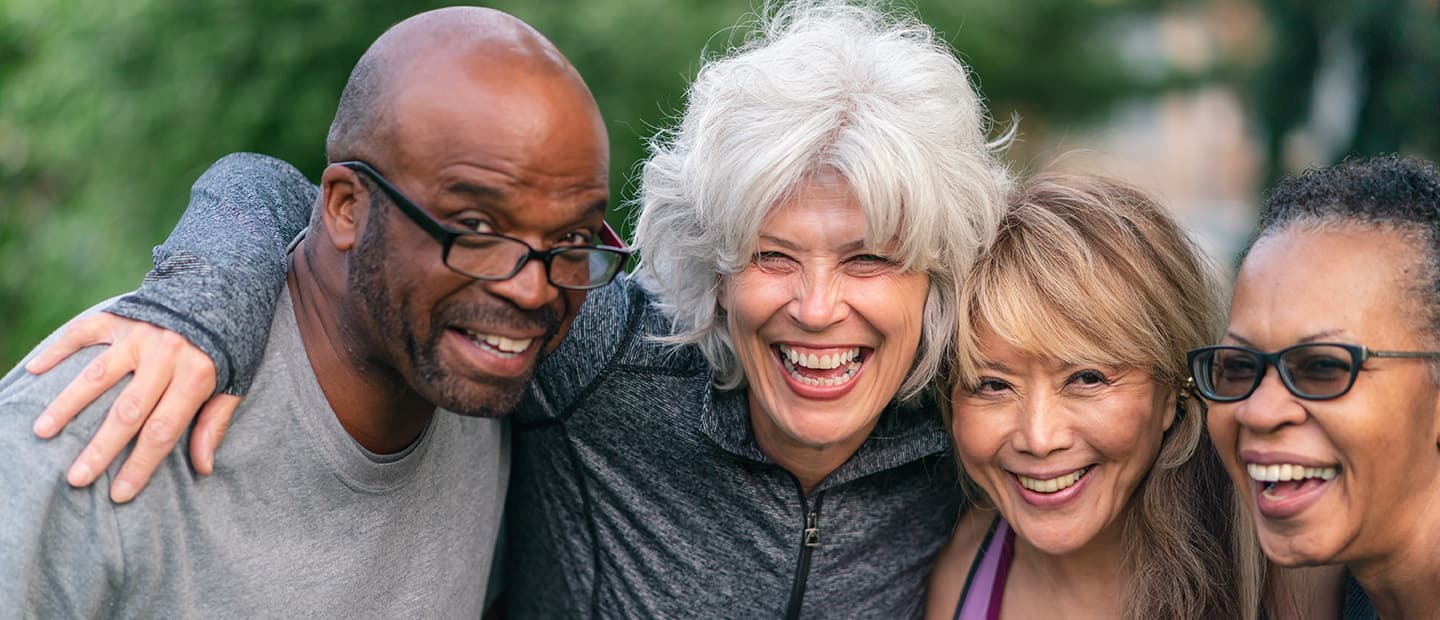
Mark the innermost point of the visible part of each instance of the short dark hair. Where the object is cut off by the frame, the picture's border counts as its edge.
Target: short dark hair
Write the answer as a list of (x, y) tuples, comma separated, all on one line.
[(1387, 190), (1390, 192), (361, 112)]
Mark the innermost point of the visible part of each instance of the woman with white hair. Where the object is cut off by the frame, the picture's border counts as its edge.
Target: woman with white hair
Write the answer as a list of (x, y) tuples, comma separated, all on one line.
[(745, 426)]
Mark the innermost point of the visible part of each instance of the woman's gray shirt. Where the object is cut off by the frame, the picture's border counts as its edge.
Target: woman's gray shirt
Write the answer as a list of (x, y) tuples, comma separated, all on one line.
[(637, 488)]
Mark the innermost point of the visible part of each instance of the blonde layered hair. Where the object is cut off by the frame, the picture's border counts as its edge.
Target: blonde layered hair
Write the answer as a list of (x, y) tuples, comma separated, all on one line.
[(1087, 270)]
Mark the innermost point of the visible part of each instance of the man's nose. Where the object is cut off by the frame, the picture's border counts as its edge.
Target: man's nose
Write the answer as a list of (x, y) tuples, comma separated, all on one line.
[(528, 289)]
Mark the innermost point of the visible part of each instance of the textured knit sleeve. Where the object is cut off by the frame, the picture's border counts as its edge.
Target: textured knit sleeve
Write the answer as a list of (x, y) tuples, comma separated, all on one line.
[(1357, 603), (607, 322), (217, 276)]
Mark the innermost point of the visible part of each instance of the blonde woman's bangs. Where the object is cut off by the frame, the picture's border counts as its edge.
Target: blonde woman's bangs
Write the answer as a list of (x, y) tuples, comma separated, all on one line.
[(1076, 313)]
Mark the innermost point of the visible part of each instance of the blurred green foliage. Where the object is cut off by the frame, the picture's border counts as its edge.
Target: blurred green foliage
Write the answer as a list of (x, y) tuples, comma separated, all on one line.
[(109, 110), (1394, 46)]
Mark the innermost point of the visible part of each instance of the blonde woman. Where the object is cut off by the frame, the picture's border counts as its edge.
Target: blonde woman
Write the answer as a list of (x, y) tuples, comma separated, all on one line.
[(1099, 494)]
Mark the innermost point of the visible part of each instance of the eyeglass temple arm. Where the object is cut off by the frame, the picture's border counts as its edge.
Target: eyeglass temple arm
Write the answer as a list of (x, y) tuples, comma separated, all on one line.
[(609, 237), (1433, 355)]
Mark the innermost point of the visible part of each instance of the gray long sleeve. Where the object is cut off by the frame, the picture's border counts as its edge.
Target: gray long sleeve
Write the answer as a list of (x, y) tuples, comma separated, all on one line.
[(217, 276)]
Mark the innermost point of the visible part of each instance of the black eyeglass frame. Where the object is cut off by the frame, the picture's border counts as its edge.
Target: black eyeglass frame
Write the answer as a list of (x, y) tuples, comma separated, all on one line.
[(1358, 355), (446, 237)]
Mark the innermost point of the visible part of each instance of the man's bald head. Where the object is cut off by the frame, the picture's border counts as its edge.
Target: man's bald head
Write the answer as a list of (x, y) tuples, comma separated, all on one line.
[(460, 131), (451, 35)]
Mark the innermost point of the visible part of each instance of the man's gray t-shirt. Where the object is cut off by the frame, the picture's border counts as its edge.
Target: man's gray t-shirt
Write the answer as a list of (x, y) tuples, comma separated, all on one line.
[(297, 520)]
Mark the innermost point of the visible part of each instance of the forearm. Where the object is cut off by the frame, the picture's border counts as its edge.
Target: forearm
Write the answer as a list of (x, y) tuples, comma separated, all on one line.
[(218, 275)]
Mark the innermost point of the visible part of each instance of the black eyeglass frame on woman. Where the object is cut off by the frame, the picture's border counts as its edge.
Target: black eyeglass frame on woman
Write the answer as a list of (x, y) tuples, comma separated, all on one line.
[(611, 257), (1201, 360)]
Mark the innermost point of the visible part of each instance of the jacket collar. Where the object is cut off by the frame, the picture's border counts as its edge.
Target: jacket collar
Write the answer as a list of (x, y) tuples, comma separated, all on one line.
[(903, 434)]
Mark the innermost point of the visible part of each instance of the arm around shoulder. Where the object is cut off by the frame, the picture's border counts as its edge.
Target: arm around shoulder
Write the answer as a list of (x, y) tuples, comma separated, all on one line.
[(607, 327), (218, 275)]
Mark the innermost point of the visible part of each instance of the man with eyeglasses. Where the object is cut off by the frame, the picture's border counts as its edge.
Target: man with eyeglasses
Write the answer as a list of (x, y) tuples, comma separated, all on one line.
[(453, 237)]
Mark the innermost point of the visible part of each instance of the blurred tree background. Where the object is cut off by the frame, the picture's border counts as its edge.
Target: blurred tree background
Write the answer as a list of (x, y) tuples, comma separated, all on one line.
[(109, 110)]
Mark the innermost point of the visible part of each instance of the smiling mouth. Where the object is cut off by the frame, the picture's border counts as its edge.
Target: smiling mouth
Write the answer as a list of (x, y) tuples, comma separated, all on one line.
[(828, 370), (501, 346), (1053, 485), (1285, 480)]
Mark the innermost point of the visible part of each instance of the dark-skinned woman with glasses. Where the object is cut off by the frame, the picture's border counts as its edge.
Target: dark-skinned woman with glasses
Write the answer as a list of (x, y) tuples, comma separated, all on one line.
[(1325, 390)]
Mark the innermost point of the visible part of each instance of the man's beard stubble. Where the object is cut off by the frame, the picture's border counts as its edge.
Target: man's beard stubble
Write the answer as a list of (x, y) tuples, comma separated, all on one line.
[(489, 397)]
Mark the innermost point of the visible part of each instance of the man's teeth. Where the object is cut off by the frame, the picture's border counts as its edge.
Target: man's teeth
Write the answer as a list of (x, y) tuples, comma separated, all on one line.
[(1052, 485), (501, 343), (820, 362), (1287, 472)]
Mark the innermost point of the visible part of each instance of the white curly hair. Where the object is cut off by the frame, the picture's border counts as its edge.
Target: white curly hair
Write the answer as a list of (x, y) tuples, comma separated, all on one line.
[(847, 86)]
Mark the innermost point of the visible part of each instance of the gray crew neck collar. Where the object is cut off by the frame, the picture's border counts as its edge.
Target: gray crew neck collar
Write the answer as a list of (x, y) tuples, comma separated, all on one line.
[(354, 465)]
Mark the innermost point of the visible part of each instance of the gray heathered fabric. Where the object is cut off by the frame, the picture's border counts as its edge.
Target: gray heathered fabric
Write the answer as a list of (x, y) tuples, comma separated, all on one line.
[(644, 495), (639, 491), (1357, 603), (260, 220), (298, 521)]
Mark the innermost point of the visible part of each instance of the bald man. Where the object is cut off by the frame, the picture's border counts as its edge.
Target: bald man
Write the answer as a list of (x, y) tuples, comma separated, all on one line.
[(451, 242)]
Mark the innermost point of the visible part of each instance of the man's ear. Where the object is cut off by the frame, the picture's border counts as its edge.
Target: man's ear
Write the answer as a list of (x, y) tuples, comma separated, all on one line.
[(345, 203)]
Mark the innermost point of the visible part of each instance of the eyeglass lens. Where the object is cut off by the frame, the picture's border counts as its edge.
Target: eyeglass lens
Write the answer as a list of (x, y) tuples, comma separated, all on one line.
[(497, 257), (1310, 371)]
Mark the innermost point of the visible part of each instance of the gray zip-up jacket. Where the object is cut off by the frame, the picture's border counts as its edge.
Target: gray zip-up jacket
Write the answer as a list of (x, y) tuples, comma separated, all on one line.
[(637, 488)]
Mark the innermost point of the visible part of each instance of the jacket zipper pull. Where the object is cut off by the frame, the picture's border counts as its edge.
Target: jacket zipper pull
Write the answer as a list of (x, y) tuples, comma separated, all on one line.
[(812, 530)]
